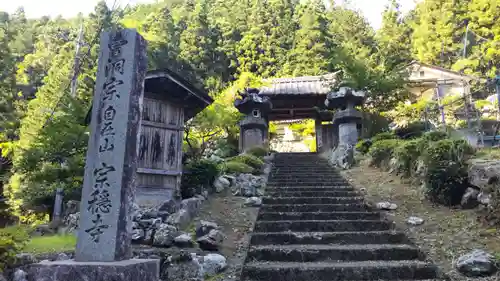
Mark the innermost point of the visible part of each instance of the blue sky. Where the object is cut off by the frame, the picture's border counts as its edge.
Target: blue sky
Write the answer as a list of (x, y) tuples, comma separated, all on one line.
[(371, 9)]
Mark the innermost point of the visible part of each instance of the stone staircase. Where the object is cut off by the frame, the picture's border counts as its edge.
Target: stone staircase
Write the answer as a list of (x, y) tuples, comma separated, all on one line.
[(313, 226)]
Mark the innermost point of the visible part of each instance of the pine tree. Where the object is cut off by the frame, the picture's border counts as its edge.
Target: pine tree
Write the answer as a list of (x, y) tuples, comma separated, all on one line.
[(438, 31), (312, 46), (482, 56), (393, 38)]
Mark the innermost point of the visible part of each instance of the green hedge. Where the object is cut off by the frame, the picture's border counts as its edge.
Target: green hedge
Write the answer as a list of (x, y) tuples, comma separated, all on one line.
[(248, 159), (406, 155), (363, 146), (446, 177), (235, 167), (198, 175), (12, 241), (381, 152), (258, 151), (384, 136)]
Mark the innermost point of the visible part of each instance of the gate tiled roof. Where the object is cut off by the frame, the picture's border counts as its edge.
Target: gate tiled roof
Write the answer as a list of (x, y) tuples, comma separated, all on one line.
[(305, 85)]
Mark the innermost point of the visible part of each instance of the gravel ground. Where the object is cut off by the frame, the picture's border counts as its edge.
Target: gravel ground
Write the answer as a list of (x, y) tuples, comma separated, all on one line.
[(446, 233), (236, 222)]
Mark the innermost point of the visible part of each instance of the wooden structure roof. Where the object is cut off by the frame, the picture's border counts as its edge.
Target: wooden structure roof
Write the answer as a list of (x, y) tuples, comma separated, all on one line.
[(298, 97), (164, 82)]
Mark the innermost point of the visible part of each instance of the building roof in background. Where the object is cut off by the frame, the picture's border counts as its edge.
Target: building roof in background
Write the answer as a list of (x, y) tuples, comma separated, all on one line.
[(448, 72), (305, 85)]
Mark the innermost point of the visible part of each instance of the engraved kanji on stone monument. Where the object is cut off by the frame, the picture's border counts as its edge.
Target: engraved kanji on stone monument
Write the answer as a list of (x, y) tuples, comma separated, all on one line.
[(112, 153)]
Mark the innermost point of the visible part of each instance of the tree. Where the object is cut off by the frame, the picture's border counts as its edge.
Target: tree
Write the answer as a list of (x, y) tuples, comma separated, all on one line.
[(439, 27), (393, 38), (312, 46)]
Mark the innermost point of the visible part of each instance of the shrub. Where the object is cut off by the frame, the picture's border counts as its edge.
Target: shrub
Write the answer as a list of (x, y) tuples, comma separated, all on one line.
[(258, 151), (384, 136), (248, 159), (412, 130), (406, 155), (363, 146), (12, 241), (235, 167), (446, 177), (435, 136), (382, 151), (198, 175)]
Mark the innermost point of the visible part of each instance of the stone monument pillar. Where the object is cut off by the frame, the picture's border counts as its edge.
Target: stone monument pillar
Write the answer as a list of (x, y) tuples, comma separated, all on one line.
[(103, 249), (346, 118), (254, 126)]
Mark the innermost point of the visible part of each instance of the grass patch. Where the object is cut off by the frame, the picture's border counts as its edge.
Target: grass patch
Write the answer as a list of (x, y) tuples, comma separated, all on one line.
[(488, 153), (50, 244)]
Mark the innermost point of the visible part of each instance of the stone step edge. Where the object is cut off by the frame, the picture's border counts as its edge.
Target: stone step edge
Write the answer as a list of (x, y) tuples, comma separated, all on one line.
[(338, 265), (340, 247), (322, 221)]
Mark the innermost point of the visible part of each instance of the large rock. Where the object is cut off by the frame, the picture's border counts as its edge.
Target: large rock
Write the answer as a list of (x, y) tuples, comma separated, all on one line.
[(165, 235), (192, 205), (484, 173), (221, 183), (204, 228), (415, 221), (72, 222), (181, 219), (183, 240), (469, 199), (386, 206), (189, 269), (342, 156), (20, 275), (212, 241), (248, 184), (213, 264), (71, 207), (476, 263), (253, 202), (138, 234), (171, 206)]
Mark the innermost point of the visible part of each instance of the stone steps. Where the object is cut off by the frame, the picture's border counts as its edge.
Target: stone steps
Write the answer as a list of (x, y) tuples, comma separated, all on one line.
[(303, 183), (284, 190), (322, 225), (277, 216), (314, 226), (333, 252), (311, 200), (338, 271), (321, 193), (356, 237), (313, 207)]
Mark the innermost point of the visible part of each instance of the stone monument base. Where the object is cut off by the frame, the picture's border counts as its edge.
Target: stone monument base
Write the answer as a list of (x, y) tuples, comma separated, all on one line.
[(70, 270)]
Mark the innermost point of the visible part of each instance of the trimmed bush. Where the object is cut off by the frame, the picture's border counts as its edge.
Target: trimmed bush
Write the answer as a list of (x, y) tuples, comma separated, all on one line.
[(235, 167), (406, 155), (384, 136), (363, 146), (248, 159), (412, 130), (198, 175), (446, 177), (12, 241), (381, 152), (258, 151), (435, 136)]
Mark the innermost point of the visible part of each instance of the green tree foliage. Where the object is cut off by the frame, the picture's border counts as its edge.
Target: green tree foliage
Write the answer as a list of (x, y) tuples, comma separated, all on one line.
[(222, 46)]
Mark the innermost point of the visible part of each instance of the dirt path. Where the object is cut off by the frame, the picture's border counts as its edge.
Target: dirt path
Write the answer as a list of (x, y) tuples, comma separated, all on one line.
[(446, 233), (236, 222)]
